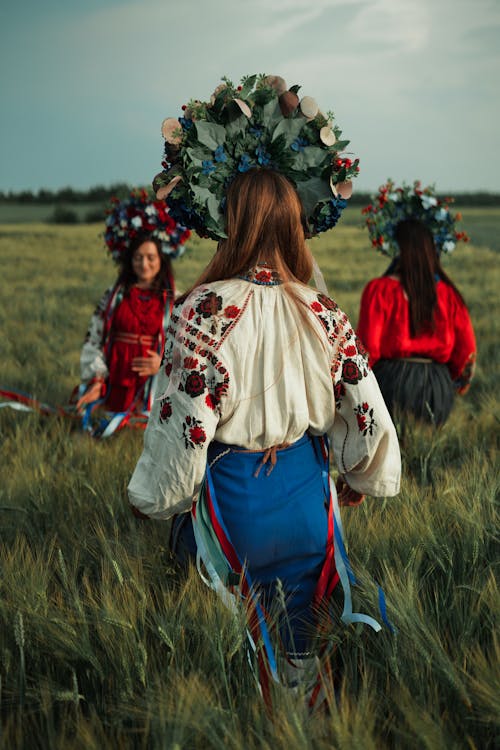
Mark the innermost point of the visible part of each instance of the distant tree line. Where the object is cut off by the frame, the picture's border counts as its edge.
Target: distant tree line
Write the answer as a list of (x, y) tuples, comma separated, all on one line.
[(101, 194), (98, 194)]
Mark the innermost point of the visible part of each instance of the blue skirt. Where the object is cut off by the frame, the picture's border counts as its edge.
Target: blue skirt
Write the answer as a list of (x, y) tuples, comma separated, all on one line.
[(277, 521)]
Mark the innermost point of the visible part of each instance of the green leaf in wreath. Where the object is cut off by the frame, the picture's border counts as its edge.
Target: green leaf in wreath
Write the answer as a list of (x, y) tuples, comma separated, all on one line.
[(290, 128), (313, 191), (210, 134)]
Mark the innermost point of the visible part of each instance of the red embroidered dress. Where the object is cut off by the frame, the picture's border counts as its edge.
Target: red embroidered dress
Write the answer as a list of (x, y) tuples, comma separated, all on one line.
[(123, 327), (384, 329), (136, 328)]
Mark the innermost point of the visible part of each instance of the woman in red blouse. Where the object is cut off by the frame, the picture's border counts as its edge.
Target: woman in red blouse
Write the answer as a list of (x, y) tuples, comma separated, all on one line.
[(122, 351), (417, 330)]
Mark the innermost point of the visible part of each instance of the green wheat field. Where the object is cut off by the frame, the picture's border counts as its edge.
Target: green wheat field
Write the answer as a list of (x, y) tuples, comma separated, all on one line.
[(105, 644)]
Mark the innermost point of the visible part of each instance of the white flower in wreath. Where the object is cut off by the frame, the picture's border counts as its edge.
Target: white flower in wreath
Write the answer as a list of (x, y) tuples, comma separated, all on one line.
[(385, 246), (394, 197), (150, 210), (428, 201), (448, 246), (441, 214), (163, 236), (137, 222)]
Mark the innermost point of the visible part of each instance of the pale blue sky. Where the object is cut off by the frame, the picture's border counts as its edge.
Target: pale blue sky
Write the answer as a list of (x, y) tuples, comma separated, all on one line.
[(85, 85)]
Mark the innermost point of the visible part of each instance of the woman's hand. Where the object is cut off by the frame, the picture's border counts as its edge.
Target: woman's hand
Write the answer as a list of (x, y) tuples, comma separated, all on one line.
[(147, 366), (93, 393), (346, 495)]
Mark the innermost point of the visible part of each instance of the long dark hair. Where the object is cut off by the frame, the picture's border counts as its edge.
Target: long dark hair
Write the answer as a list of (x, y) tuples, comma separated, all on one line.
[(419, 268), (164, 279), (264, 222)]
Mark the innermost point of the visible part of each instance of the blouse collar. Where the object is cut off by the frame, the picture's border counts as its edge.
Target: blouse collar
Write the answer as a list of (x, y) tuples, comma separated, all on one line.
[(262, 274)]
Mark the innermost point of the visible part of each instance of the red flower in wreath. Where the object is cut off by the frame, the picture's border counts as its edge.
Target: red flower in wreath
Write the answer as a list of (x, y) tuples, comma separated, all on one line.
[(195, 384), (351, 372)]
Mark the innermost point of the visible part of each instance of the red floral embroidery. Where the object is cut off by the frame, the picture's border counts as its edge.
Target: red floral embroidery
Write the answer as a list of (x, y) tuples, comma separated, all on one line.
[(168, 369), (364, 417), (165, 410), (231, 311), (339, 392), (316, 307), (350, 351), (191, 314), (195, 384), (327, 302), (190, 363), (209, 305), (350, 372), (264, 277), (193, 432)]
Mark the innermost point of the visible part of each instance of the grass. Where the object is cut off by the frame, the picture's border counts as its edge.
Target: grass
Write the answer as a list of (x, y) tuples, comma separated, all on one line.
[(104, 644)]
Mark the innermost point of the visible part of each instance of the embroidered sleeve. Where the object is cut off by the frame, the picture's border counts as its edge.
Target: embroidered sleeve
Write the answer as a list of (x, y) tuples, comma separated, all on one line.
[(372, 320), (193, 386), (364, 440), (462, 361), (92, 361)]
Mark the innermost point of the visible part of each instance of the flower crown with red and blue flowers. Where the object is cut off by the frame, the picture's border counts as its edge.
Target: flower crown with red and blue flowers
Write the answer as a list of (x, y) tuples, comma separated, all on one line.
[(395, 204), (140, 216), (259, 123)]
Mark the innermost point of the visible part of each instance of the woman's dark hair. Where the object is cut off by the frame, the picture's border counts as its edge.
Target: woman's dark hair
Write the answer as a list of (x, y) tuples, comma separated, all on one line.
[(419, 268), (164, 279)]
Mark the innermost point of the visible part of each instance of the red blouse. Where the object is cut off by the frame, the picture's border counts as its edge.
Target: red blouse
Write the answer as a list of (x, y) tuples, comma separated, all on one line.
[(140, 312), (384, 329)]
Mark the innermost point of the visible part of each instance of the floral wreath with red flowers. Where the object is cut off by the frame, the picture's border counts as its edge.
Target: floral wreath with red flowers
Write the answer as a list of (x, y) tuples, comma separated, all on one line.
[(259, 123), (137, 216), (395, 204)]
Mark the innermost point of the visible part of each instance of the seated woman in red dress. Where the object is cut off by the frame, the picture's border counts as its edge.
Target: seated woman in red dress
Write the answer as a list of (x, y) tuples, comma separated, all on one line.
[(413, 320), (123, 348)]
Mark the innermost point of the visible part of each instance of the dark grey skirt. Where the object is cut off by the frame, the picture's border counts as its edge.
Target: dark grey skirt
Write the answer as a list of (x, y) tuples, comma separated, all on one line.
[(420, 387)]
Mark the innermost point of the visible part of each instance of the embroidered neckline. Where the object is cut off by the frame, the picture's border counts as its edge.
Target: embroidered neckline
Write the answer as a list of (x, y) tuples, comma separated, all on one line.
[(262, 275)]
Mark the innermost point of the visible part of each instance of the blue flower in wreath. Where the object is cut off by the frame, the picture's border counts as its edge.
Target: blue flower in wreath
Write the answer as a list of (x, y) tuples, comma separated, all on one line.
[(299, 144), (263, 157), (220, 154), (256, 130), (207, 166), (186, 124), (245, 163)]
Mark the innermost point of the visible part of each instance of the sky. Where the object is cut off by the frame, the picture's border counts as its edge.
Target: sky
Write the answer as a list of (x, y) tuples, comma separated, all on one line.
[(86, 84)]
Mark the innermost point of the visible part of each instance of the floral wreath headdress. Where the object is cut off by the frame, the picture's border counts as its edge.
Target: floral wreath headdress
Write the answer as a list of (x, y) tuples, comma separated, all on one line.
[(139, 215), (395, 204), (258, 123)]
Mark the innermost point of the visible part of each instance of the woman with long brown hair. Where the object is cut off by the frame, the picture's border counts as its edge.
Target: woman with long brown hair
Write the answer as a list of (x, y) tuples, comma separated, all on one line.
[(121, 354), (261, 372), (413, 320)]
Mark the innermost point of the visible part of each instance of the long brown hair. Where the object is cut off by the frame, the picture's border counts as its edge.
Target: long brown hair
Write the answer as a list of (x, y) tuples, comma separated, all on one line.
[(164, 280), (419, 269), (264, 223)]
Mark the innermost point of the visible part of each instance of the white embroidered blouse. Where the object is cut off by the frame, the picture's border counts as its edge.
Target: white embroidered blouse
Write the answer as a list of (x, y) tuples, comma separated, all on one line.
[(247, 366)]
